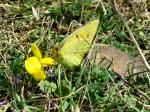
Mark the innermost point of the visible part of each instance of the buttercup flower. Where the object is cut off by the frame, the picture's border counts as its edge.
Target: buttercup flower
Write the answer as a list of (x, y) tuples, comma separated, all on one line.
[(34, 65)]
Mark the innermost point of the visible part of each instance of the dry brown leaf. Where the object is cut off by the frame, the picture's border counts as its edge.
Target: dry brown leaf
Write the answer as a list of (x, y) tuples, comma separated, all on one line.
[(114, 59), (110, 57)]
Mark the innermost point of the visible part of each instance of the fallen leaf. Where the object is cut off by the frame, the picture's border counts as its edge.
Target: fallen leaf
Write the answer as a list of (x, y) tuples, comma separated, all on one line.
[(113, 58), (110, 57)]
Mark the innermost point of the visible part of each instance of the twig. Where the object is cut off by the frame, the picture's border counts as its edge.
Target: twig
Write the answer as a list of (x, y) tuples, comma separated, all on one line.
[(131, 35)]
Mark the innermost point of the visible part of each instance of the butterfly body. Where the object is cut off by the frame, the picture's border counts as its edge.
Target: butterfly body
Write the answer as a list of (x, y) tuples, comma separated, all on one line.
[(73, 49)]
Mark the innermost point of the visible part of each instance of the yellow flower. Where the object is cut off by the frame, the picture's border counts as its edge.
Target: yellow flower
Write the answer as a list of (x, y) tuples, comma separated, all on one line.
[(34, 65)]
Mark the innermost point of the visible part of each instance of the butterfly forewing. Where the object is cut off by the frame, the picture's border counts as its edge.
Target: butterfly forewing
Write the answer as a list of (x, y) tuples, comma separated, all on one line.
[(78, 44)]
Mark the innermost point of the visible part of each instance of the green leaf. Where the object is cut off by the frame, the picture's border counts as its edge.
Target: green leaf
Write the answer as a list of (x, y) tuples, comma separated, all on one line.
[(65, 88), (47, 87), (65, 105), (18, 98)]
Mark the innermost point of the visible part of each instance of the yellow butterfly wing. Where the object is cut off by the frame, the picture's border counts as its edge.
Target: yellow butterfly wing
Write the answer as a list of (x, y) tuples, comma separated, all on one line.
[(77, 44)]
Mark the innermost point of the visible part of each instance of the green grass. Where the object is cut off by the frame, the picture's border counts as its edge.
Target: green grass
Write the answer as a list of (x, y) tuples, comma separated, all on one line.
[(90, 89)]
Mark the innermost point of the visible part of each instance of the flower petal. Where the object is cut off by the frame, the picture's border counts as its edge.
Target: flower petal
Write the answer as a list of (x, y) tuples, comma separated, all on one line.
[(32, 64), (39, 74), (36, 51), (47, 61)]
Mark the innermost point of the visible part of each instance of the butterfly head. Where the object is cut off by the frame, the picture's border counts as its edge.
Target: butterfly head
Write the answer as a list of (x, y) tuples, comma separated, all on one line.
[(54, 51)]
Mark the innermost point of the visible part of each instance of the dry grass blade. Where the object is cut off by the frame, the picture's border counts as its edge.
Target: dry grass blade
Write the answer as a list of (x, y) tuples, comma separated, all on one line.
[(131, 35), (139, 50)]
